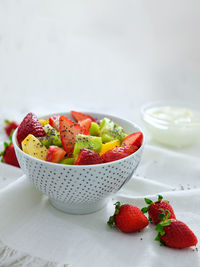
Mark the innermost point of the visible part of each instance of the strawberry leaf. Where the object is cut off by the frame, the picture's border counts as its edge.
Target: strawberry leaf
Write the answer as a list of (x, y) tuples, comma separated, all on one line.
[(148, 201), (7, 122), (145, 209), (162, 215), (159, 198), (117, 207), (160, 229), (111, 221)]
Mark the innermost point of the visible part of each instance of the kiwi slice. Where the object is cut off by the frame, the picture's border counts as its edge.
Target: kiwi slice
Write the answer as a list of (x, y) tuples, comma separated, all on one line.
[(86, 141), (53, 135), (68, 161), (46, 141), (110, 131), (94, 129)]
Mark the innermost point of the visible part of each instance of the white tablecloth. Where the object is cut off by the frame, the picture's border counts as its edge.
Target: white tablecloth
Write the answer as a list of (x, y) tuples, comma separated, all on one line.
[(36, 233)]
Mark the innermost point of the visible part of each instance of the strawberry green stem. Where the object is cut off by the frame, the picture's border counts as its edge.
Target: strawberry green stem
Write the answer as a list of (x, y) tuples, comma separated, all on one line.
[(160, 226), (7, 122), (149, 202), (111, 221)]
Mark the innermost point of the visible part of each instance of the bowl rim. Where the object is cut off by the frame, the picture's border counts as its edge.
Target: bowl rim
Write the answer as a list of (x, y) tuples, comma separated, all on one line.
[(16, 146)]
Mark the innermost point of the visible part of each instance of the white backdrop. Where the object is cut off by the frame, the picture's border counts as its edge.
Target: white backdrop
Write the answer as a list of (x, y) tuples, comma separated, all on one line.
[(108, 55)]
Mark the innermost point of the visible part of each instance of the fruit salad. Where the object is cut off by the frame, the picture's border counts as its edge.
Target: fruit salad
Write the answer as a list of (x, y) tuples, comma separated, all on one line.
[(83, 141)]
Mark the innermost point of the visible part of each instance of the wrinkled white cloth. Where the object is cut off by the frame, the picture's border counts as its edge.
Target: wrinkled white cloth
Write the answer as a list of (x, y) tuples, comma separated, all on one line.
[(33, 231)]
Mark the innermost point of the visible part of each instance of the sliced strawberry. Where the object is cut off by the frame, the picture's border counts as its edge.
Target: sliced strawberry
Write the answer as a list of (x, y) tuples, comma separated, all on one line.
[(85, 123), (54, 122), (78, 116), (10, 127), (9, 156), (29, 125), (88, 157), (118, 153), (68, 132), (55, 154), (134, 139)]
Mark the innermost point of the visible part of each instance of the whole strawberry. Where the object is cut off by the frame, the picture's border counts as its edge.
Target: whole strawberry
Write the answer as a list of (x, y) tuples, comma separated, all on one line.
[(174, 233), (10, 127), (154, 209), (29, 125), (8, 155), (128, 218)]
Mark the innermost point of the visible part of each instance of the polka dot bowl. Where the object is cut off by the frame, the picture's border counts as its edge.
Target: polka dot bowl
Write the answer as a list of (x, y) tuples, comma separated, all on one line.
[(80, 189)]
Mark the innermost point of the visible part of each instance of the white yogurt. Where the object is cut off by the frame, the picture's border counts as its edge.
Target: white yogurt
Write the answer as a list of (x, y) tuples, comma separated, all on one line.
[(172, 125)]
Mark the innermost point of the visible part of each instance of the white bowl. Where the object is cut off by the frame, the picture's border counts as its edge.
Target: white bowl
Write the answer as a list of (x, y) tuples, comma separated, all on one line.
[(80, 189)]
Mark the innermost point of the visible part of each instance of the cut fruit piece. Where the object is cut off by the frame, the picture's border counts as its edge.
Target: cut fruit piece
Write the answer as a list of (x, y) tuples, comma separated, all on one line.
[(78, 116), (53, 135), (109, 146), (54, 122), (29, 125), (43, 122), (86, 141), (25, 143), (68, 161), (32, 146), (88, 157), (134, 139), (68, 132), (55, 154), (85, 124), (118, 153), (46, 141), (110, 131), (94, 129)]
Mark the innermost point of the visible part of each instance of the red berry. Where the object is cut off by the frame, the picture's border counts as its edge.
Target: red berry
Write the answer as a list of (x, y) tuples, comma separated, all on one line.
[(155, 209), (29, 125), (134, 139), (10, 126), (9, 155), (68, 132), (55, 154), (88, 157), (128, 218), (85, 124), (54, 122), (118, 153), (174, 233), (78, 116)]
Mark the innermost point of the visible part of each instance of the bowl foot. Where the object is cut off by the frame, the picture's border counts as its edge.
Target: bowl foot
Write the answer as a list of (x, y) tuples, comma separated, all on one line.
[(79, 208)]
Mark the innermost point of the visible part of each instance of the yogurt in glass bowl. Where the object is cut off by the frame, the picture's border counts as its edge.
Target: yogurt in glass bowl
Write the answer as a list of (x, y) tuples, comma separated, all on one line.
[(172, 124)]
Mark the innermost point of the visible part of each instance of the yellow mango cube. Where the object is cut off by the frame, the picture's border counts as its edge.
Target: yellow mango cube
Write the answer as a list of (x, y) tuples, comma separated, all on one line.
[(44, 122), (33, 147), (109, 146)]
